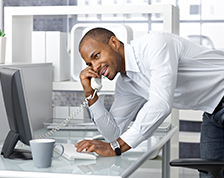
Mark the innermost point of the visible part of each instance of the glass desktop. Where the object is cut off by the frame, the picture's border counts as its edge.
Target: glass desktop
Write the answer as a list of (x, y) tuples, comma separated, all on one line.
[(120, 166)]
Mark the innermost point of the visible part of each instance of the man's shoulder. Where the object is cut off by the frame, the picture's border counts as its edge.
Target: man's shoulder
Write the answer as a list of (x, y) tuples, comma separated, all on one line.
[(151, 35), (154, 34)]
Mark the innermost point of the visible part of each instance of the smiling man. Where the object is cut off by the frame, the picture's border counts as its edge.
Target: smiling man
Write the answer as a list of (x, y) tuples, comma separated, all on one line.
[(157, 72)]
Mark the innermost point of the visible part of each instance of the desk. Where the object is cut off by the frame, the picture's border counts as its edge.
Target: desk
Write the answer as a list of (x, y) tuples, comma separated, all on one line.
[(117, 167)]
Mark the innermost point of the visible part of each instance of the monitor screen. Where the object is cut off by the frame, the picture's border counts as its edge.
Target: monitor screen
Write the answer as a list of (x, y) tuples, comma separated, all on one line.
[(17, 113)]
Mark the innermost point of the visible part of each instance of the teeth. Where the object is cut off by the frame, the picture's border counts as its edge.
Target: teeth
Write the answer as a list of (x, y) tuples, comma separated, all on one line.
[(104, 71)]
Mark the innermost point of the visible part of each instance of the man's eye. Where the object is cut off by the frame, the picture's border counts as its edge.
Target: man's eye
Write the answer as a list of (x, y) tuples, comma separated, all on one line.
[(97, 55)]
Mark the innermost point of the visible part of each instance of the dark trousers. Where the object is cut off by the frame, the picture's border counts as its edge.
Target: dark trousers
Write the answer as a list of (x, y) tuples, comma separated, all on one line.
[(212, 136)]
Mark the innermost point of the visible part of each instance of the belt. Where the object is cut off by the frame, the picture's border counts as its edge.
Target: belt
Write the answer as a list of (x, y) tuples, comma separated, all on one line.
[(219, 106)]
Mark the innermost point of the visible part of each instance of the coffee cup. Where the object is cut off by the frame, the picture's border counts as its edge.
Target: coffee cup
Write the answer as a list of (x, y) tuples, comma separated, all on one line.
[(42, 152)]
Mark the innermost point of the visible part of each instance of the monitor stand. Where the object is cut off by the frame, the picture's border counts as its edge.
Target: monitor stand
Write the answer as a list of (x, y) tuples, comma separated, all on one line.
[(21, 154), (9, 150)]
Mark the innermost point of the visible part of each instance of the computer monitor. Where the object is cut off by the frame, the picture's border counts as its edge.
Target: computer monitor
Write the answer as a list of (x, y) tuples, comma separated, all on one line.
[(17, 113)]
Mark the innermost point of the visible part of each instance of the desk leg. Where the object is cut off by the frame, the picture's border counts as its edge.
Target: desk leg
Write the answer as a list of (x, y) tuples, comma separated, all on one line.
[(166, 160)]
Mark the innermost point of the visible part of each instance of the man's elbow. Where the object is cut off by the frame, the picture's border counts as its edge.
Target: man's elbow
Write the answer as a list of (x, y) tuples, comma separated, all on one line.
[(167, 111)]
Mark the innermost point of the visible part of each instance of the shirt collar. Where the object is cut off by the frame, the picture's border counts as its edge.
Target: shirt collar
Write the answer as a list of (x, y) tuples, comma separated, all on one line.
[(130, 59)]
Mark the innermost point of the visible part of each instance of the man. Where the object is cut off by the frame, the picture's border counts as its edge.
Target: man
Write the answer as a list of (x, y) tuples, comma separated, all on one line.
[(158, 72)]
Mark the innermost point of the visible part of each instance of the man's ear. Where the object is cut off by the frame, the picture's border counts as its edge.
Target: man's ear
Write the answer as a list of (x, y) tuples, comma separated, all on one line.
[(114, 42)]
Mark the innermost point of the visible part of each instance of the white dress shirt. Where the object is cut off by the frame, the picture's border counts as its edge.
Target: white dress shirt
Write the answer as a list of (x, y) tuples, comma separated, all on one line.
[(163, 71)]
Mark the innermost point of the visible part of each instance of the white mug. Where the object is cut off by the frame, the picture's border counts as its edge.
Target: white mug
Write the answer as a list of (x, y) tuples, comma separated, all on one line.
[(42, 152)]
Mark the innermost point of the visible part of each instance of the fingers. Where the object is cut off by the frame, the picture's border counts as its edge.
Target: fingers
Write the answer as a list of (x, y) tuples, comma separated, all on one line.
[(84, 144), (93, 73), (101, 148), (85, 76), (92, 148), (88, 72), (89, 145)]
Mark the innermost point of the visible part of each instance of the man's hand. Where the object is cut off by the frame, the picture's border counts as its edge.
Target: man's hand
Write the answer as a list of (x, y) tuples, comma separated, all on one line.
[(85, 76), (101, 148)]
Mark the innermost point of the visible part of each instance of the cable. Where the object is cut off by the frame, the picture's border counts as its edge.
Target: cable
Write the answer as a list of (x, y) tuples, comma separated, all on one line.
[(66, 121)]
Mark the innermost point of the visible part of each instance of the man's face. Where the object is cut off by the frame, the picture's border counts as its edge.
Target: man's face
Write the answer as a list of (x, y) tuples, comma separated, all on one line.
[(104, 59)]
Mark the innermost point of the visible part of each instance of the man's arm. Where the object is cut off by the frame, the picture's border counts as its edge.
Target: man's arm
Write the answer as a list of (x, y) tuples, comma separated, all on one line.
[(101, 148)]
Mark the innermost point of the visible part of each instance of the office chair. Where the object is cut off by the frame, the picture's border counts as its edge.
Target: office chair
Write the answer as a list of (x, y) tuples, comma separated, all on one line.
[(215, 167)]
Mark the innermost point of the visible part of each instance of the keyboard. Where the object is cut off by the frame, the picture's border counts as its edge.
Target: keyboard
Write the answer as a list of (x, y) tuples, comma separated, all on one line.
[(70, 152)]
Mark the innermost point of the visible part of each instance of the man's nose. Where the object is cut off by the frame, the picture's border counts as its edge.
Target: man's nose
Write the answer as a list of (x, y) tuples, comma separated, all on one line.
[(96, 66)]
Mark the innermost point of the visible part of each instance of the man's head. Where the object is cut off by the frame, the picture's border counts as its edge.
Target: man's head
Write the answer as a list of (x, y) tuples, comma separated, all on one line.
[(101, 35), (102, 51)]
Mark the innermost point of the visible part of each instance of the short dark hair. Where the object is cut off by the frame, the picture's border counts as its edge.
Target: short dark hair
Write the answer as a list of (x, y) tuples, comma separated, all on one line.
[(98, 34)]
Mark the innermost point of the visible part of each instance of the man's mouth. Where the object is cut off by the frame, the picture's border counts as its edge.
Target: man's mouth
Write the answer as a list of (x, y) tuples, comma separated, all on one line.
[(104, 71)]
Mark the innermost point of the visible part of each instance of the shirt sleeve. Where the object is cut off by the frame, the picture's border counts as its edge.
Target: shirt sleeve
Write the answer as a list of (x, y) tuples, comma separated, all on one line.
[(104, 121), (124, 108), (162, 62)]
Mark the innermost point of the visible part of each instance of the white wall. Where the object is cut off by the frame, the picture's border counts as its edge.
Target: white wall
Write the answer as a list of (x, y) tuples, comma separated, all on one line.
[(1, 14)]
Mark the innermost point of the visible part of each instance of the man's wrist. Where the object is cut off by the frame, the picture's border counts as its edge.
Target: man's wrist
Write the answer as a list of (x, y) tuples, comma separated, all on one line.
[(92, 97), (116, 147), (123, 145)]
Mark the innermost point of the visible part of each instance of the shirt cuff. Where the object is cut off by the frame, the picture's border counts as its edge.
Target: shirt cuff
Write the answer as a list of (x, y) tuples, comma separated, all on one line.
[(132, 137), (97, 109)]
